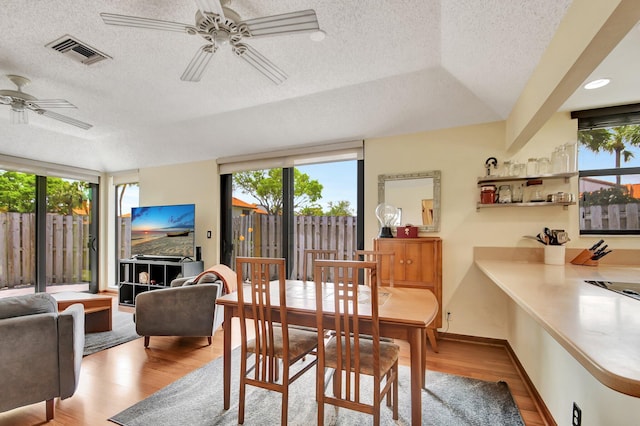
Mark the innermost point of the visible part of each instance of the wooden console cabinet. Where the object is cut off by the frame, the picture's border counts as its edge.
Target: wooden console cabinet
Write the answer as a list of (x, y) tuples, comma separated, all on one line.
[(417, 263)]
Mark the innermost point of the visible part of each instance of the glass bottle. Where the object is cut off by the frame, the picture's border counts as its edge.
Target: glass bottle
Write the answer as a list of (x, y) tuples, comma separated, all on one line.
[(544, 166), (517, 193), (532, 167), (563, 159)]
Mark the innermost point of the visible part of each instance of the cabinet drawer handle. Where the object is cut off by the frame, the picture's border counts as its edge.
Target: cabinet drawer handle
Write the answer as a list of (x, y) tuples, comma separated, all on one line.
[(401, 261), (409, 262)]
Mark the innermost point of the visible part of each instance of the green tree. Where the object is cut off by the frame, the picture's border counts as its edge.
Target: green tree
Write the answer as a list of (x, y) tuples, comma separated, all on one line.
[(266, 187), (312, 210), (18, 193), (340, 208), (64, 195), (614, 140)]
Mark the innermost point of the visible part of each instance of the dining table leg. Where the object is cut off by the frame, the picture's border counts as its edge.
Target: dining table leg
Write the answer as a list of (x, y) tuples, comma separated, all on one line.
[(417, 374), (226, 358)]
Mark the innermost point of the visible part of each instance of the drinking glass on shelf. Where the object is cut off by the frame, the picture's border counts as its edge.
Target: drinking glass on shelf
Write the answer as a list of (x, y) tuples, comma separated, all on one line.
[(518, 169)]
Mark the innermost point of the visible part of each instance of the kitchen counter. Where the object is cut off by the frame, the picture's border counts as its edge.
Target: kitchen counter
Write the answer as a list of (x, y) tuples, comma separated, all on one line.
[(598, 327)]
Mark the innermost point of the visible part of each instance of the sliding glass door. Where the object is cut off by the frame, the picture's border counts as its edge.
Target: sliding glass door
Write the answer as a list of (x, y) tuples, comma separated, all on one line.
[(70, 235), (281, 212), (48, 234), (17, 233)]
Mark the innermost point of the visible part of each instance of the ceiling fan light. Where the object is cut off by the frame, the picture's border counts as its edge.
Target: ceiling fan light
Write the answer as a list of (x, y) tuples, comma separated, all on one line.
[(317, 35), (18, 115), (221, 38), (596, 84)]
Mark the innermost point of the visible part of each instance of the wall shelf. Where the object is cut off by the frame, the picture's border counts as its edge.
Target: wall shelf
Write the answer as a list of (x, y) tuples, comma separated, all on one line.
[(539, 204), (489, 180), (483, 180)]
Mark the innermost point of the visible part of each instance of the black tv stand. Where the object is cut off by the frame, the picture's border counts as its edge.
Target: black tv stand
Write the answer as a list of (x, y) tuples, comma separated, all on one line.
[(148, 273), (158, 258)]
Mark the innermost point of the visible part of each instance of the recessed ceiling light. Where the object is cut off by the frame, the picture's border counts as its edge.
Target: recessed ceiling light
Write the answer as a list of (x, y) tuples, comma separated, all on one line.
[(596, 84), (318, 35)]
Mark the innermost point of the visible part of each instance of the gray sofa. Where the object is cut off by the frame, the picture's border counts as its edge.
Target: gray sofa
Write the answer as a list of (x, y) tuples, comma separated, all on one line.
[(40, 350), (184, 309)]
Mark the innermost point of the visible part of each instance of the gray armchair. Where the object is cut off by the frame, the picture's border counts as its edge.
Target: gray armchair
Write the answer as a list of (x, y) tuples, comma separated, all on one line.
[(187, 308), (40, 350)]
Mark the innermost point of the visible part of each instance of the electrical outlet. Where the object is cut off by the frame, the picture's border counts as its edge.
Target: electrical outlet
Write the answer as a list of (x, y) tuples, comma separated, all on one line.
[(576, 416)]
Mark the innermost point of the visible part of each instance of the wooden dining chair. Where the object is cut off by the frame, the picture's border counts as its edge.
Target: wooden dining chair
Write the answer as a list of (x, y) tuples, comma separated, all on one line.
[(274, 342), (382, 259), (349, 353), (310, 255)]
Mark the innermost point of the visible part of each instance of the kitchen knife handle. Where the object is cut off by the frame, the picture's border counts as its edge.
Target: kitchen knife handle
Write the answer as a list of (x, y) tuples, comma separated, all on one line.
[(596, 245)]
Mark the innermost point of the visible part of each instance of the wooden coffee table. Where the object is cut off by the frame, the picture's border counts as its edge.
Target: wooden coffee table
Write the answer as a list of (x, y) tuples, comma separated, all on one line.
[(97, 309)]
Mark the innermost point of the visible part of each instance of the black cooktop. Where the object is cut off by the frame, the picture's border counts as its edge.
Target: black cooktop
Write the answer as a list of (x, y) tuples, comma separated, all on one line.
[(627, 289)]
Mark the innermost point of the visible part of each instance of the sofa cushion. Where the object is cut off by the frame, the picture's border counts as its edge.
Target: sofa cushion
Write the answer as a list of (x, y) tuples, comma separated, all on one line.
[(28, 304)]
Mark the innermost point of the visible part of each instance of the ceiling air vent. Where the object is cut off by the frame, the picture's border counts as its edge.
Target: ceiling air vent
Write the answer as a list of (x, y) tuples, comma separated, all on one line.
[(77, 50)]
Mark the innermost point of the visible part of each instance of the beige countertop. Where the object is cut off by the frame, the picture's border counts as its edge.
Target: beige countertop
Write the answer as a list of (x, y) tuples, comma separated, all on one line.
[(599, 327)]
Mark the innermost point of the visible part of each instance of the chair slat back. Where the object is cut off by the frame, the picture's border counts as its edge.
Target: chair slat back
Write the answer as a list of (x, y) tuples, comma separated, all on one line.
[(383, 259), (310, 255), (348, 299), (258, 282)]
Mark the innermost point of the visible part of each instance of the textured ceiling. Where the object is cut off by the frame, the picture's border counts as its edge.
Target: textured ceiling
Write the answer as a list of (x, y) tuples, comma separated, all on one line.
[(385, 68)]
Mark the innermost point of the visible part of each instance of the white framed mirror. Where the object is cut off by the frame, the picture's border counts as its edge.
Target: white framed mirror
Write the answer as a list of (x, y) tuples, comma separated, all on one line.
[(416, 195)]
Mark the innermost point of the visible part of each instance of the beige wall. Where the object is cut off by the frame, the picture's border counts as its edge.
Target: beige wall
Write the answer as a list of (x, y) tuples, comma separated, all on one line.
[(478, 307), (196, 183)]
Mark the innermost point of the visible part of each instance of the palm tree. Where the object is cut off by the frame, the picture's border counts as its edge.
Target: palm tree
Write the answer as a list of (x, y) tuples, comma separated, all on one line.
[(614, 140)]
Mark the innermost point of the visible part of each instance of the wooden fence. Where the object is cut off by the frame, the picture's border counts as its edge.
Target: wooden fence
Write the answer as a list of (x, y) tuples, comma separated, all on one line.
[(259, 235), (611, 217), (66, 244)]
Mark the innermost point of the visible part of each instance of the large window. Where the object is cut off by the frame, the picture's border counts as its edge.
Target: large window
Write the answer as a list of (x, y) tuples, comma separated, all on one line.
[(609, 178), (283, 211), (49, 230), (127, 196)]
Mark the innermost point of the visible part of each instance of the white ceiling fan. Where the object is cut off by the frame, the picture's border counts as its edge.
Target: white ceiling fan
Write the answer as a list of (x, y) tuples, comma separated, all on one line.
[(219, 25), (20, 102)]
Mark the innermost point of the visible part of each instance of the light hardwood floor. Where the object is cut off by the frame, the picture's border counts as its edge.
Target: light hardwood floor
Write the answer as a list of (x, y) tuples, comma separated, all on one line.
[(115, 379)]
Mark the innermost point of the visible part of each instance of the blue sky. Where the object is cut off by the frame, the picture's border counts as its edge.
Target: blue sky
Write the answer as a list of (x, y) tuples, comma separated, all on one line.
[(588, 160), (339, 182)]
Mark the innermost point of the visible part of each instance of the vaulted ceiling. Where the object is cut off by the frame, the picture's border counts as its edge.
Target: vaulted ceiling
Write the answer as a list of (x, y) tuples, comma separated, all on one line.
[(386, 67)]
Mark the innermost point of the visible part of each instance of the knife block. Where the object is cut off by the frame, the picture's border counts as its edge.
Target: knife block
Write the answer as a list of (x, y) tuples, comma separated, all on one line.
[(584, 258)]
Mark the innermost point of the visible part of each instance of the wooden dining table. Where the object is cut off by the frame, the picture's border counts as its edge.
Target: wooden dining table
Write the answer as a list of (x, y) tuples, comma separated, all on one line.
[(404, 314)]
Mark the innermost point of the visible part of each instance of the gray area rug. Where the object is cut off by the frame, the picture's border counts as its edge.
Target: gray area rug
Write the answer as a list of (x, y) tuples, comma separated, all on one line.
[(196, 399), (123, 330)]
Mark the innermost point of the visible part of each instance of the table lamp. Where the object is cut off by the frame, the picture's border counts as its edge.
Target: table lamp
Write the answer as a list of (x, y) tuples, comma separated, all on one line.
[(387, 216)]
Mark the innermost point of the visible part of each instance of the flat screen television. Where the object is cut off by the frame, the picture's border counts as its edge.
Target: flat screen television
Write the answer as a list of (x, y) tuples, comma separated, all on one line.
[(163, 231)]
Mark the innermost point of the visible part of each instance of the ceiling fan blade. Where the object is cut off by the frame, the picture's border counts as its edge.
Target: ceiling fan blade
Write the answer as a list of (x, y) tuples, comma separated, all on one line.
[(199, 63), (138, 22), (301, 21), (64, 119), (211, 6), (259, 62), (50, 103)]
